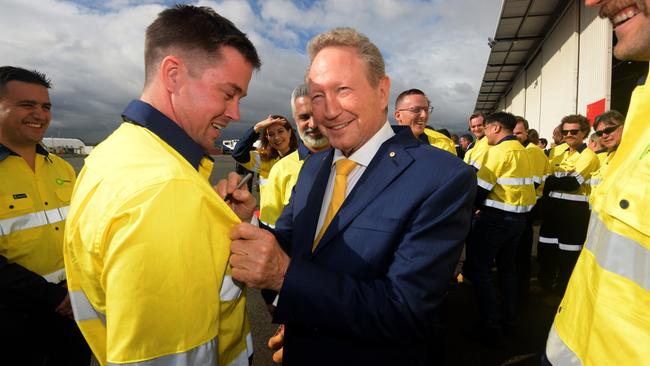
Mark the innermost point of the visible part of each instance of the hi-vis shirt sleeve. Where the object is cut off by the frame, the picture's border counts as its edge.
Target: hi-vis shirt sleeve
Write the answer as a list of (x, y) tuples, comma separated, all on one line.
[(254, 162), (587, 164), (278, 191), (486, 177), (167, 306)]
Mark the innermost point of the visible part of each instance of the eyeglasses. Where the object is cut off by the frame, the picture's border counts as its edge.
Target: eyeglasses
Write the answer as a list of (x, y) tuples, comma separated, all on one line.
[(570, 132), (607, 130), (417, 110)]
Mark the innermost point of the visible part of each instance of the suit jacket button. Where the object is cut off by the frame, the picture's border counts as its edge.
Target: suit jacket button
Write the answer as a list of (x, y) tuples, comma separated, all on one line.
[(391, 154)]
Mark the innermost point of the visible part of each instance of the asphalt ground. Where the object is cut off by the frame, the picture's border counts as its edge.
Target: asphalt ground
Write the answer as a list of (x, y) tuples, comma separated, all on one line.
[(462, 346)]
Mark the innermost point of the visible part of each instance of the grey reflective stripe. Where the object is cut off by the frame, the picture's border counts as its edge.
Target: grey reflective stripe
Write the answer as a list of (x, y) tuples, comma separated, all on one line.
[(205, 354), (515, 181), (538, 180), (545, 240), (242, 358), (230, 290), (56, 276), (34, 219), (507, 207), (483, 184), (561, 174), (570, 247), (618, 254), (593, 181), (258, 163), (578, 177), (569, 196), (262, 181), (267, 224), (558, 353), (82, 308), (475, 164)]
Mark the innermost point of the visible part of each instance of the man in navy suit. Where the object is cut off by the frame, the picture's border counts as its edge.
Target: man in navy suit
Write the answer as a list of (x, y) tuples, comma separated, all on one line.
[(365, 287)]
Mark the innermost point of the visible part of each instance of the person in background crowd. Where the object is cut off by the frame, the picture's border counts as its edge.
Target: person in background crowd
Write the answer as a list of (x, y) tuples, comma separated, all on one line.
[(559, 146), (566, 208), (277, 140), (603, 319), (594, 144), (540, 169), (36, 326), (506, 192), (609, 129), (343, 301), (465, 141), (478, 149), (147, 237), (459, 150), (412, 108), (543, 143), (533, 137)]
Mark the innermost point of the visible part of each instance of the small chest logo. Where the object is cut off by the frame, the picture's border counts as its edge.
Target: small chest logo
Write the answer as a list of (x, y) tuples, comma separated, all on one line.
[(645, 152), (20, 195), (60, 181)]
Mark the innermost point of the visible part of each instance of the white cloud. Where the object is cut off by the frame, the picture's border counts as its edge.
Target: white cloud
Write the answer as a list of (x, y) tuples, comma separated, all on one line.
[(94, 54)]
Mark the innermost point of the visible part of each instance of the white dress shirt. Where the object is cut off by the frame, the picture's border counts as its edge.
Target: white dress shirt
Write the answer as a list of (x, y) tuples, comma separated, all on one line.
[(362, 157)]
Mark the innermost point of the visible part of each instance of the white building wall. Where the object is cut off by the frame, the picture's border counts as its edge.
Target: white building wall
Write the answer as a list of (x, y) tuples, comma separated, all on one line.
[(595, 62), (518, 93), (560, 72), (533, 92)]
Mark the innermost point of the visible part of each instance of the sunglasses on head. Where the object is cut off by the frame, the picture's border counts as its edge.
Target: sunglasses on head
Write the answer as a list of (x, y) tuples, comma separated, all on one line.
[(607, 130), (570, 132)]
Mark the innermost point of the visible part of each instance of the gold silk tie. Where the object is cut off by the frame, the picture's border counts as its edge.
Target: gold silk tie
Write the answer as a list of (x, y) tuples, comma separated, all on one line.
[(343, 169)]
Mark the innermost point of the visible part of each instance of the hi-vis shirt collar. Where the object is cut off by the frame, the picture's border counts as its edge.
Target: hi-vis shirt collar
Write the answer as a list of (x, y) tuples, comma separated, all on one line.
[(507, 138), (5, 151), (145, 115)]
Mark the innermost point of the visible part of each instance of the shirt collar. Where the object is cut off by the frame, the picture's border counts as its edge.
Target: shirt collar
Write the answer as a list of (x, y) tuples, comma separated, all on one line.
[(507, 138), (581, 148), (364, 155), (5, 151), (303, 151), (147, 116)]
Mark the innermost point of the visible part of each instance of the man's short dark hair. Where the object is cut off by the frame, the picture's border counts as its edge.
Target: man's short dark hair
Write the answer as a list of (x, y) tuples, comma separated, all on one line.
[(533, 136), (522, 120), (406, 93), (577, 118), (507, 120), (445, 132), (12, 73), (468, 137), (193, 28), (476, 115), (610, 118)]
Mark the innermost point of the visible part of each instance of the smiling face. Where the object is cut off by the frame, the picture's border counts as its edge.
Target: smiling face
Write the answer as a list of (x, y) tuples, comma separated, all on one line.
[(206, 103), (610, 135), (307, 128), (24, 114), (631, 22), (346, 107), (406, 114), (279, 137), (476, 126)]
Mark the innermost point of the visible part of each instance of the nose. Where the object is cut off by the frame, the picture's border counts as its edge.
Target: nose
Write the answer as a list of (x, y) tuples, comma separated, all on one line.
[(232, 110), (311, 123), (332, 107), (40, 113)]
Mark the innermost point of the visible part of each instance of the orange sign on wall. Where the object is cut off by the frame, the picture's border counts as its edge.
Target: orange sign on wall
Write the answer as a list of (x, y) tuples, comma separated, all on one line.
[(594, 109)]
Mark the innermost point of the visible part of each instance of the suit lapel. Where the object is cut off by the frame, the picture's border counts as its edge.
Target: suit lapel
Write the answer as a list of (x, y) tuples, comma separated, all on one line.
[(389, 162), (307, 220)]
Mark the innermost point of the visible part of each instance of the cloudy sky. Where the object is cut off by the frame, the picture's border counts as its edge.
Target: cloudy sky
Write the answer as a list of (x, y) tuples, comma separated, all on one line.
[(93, 52)]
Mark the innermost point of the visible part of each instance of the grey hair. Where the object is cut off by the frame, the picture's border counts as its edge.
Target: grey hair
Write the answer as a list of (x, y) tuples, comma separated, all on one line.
[(299, 92)]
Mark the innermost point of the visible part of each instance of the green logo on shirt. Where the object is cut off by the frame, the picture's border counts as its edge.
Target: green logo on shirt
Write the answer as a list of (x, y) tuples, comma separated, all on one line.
[(645, 152), (60, 181)]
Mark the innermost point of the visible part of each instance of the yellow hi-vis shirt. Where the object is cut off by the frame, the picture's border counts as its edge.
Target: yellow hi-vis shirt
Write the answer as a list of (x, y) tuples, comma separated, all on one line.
[(146, 253), (282, 178), (540, 167), (33, 209), (476, 155), (508, 174), (440, 141), (578, 164), (262, 167), (603, 318), (604, 158)]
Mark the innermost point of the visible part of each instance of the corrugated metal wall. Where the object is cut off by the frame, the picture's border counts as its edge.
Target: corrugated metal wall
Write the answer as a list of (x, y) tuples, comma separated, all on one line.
[(572, 70)]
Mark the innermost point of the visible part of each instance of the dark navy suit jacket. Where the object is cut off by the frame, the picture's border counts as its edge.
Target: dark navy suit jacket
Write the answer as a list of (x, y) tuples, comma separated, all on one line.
[(370, 294)]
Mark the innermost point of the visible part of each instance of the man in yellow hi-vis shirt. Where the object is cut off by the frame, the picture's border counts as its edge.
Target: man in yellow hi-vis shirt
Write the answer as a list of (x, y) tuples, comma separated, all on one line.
[(147, 238), (35, 187), (603, 318)]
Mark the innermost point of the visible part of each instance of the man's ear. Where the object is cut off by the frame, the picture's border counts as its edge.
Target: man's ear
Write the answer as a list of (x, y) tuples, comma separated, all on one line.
[(171, 72), (384, 90)]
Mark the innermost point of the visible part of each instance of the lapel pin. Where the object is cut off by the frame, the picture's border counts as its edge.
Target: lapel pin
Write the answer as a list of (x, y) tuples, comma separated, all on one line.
[(391, 154)]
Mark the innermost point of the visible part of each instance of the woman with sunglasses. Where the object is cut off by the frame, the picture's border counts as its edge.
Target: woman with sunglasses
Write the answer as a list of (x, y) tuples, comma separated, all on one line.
[(609, 129), (277, 140), (565, 215)]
